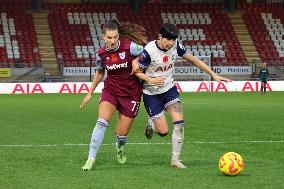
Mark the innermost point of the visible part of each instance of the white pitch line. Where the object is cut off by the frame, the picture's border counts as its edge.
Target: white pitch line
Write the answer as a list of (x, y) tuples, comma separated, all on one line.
[(144, 143)]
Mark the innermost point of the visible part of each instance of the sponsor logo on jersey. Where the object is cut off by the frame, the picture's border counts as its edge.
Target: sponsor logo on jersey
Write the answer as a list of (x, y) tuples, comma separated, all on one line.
[(117, 66), (122, 55), (163, 69)]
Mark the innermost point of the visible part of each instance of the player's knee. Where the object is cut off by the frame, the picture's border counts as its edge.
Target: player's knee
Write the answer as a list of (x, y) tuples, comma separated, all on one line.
[(163, 134), (162, 131), (101, 122)]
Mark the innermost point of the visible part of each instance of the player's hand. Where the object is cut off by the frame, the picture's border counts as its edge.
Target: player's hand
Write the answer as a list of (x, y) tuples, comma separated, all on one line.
[(219, 78), (85, 100), (159, 81)]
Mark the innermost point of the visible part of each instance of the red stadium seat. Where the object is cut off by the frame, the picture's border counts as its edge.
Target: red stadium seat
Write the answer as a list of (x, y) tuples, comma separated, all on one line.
[(20, 38), (203, 25), (264, 21)]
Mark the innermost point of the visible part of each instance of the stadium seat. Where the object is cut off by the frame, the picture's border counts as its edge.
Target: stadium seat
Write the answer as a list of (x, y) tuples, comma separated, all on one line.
[(76, 28), (18, 42), (265, 24)]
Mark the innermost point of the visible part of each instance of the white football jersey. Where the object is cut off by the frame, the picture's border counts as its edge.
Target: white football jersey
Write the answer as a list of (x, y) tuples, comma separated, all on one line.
[(159, 63)]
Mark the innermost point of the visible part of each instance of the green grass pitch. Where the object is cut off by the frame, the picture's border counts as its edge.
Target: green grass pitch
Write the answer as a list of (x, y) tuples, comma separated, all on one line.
[(44, 143)]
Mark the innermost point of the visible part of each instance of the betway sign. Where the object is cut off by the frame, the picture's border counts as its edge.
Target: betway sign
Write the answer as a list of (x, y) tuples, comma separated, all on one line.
[(182, 86)]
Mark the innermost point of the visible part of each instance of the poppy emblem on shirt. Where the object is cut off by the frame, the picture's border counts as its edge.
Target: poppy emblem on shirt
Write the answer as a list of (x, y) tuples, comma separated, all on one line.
[(114, 57), (121, 55), (165, 59)]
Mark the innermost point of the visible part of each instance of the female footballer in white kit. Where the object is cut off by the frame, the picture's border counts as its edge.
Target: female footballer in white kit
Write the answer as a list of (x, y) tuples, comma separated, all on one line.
[(155, 66)]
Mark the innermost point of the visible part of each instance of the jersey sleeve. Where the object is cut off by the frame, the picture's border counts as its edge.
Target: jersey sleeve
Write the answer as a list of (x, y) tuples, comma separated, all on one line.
[(144, 59), (135, 49), (99, 63), (180, 49)]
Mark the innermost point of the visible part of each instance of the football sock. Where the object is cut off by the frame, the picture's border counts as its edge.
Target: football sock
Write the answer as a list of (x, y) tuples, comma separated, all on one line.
[(177, 139), (150, 122), (120, 140), (97, 137)]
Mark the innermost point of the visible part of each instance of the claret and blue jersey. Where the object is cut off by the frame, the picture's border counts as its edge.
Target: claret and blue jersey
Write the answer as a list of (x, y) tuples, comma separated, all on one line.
[(118, 64)]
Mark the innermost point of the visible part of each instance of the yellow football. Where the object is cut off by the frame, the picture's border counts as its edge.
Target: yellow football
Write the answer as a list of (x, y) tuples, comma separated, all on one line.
[(231, 163)]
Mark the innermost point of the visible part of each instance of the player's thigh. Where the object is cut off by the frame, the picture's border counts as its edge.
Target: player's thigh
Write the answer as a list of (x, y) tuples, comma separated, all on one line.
[(161, 125), (124, 124), (106, 110), (108, 105), (154, 105), (129, 105), (176, 112), (264, 83), (128, 108)]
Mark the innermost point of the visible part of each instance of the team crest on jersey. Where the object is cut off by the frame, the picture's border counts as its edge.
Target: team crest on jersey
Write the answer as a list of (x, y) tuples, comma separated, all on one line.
[(165, 59), (121, 55)]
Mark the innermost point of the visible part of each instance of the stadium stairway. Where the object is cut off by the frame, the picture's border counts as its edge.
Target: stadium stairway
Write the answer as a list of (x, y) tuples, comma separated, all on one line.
[(45, 43), (244, 37)]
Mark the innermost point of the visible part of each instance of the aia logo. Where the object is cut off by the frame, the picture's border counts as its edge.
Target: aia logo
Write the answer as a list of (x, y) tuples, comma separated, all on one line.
[(165, 59), (114, 57), (164, 69)]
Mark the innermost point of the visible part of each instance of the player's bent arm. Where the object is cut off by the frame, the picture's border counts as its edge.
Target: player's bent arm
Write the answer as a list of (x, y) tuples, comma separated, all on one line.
[(135, 66), (97, 79), (139, 72), (143, 77), (159, 81), (202, 66)]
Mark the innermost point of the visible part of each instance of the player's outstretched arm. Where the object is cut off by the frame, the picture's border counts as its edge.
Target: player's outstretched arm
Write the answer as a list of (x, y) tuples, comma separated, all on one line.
[(220, 78), (97, 79), (202, 66)]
